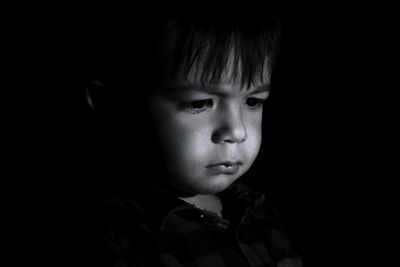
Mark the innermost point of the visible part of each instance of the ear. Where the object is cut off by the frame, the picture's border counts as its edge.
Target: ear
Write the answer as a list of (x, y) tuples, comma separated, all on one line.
[(95, 94)]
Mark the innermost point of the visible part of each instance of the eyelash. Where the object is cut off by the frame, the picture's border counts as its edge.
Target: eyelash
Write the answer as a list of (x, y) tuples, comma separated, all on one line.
[(257, 105), (199, 106)]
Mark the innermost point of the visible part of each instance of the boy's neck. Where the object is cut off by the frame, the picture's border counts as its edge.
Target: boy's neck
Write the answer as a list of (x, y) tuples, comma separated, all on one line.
[(206, 202)]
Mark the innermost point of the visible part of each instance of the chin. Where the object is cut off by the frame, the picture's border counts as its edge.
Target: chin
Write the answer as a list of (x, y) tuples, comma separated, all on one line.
[(214, 187), (211, 191)]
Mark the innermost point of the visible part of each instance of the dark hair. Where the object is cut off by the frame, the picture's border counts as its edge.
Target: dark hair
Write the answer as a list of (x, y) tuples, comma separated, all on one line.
[(211, 39), (126, 49)]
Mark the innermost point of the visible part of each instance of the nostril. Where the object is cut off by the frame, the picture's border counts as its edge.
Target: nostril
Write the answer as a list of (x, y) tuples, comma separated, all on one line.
[(233, 135), (230, 127)]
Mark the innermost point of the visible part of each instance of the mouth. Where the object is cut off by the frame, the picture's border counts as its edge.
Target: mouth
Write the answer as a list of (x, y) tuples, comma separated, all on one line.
[(226, 163), (226, 167)]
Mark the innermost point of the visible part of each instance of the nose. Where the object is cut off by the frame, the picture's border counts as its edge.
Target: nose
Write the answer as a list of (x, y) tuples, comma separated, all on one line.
[(230, 127)]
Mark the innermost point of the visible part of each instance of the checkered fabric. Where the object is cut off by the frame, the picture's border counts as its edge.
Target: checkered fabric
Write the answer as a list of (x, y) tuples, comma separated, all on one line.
[(155, 228)]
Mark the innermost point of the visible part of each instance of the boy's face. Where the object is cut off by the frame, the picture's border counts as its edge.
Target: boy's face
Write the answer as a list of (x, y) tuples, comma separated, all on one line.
[(210, 135)]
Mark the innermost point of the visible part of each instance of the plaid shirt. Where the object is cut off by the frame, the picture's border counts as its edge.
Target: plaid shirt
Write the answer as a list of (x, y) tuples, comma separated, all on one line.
[(154, 228)]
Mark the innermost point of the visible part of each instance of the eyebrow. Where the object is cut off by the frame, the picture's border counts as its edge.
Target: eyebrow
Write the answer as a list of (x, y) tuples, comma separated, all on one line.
[(214, 89), (262, 88)]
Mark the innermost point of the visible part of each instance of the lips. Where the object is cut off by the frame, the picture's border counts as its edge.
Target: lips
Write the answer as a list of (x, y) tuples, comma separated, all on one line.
[(226, 167)]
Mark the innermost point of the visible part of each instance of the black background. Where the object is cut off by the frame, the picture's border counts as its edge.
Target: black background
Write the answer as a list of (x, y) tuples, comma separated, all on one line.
[(328, 126)]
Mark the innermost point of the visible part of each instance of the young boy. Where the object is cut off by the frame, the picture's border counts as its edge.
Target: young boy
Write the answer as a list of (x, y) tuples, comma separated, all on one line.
[(202, 80)]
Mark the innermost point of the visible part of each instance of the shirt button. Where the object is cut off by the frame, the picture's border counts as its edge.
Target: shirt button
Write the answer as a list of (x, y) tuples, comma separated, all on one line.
[(201, 215)]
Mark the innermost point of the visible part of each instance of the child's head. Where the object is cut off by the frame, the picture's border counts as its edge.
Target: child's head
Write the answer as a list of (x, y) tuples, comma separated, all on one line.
[(204, 82)]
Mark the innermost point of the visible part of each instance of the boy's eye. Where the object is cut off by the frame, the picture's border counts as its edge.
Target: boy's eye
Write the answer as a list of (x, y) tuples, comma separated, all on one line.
[(196, 106), (254, 103)]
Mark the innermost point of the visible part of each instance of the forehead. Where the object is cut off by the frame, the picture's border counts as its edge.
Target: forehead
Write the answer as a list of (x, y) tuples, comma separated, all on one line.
[(225, 90), (226, 85)]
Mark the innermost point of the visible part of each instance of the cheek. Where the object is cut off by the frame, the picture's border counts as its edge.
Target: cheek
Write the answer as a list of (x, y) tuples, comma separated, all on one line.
[(254, 137), (185, 142)]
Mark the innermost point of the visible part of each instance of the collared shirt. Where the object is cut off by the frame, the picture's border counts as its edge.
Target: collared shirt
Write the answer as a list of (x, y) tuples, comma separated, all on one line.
[(155, 228)]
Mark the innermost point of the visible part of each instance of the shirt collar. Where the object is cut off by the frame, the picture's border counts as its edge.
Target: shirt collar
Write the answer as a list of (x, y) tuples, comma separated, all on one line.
[(155, 203)]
